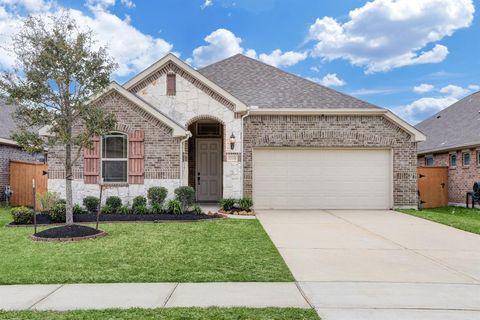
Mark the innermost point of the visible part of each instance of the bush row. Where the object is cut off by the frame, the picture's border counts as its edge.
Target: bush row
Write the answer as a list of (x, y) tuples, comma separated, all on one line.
[(228, 204)]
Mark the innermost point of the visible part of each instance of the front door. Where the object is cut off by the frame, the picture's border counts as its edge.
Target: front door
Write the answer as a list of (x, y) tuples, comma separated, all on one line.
[(209, 169)]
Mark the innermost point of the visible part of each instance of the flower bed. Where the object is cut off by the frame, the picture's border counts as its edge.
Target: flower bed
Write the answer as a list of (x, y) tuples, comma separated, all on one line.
[(45, 219)]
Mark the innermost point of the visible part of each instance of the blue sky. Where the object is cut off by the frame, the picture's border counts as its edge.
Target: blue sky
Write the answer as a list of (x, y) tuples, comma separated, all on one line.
[(414, 57)]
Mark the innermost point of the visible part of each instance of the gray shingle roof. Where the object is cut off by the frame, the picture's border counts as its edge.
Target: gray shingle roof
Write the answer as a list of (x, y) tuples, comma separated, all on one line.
[(455, 126), (7, 125), (258, 84)]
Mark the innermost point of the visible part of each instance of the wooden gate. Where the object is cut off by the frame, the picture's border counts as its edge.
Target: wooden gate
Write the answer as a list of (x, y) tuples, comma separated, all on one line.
[(22, 174), (433, 186)]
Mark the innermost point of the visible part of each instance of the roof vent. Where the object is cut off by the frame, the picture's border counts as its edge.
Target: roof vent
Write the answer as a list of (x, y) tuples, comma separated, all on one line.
[(438, 117)]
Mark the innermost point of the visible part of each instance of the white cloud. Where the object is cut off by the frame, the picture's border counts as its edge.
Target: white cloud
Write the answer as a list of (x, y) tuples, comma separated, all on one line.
[(455, 91), (330, 80), (315, 69), (99, 4), (131, 49), (385, 34), (423, 108), (474, 87), (128, 3), (206, 4), (31, 6), (423, 88), (278, 59), (223, 43)]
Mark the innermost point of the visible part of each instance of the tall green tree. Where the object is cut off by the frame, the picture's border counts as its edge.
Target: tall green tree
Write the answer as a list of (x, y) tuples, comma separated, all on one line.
[(59, 68)]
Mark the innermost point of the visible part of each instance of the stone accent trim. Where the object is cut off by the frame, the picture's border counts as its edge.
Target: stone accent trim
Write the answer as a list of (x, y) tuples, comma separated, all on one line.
[(171, 67)]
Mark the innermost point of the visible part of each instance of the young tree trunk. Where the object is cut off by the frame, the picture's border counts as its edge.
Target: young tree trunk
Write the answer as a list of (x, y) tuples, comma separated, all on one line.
[(68, 184)]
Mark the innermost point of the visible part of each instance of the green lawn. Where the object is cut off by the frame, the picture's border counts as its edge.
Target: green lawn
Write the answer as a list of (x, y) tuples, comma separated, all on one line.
[(169, 314), (226, 250), (457, 217)]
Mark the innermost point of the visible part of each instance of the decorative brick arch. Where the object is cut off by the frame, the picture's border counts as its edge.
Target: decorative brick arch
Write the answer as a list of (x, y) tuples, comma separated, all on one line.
[(203, 117), (122, 127)]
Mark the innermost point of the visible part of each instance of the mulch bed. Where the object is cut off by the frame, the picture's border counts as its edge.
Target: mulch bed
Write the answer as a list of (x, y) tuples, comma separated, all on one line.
[(238, 211), (68, 233), (44, 219)]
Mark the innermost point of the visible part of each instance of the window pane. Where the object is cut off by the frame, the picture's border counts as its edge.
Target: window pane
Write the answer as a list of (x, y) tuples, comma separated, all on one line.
[(114, 171), (466, 159), (453, 160), (114, 146), (429, 161)]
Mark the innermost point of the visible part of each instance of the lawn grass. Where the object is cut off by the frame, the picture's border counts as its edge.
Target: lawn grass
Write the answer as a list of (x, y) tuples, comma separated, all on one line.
[(169, 314), (225, 250), (457, 217)]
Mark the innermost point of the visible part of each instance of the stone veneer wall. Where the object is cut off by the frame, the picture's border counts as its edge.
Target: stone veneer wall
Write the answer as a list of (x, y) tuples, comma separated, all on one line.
[(336, 131), (8, 153), (192, 102), (162, 153), (460, 178)]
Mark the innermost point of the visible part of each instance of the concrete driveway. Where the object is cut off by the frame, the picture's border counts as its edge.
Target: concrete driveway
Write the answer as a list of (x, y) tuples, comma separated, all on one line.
[(379, 264)]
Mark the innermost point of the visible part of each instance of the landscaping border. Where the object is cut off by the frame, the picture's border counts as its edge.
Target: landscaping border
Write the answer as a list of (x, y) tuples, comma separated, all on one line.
[(93, 236)]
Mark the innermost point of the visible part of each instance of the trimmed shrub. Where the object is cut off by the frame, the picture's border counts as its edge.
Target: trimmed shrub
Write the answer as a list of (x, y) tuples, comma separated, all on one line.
[(186, 196), (245, 204), (107, 209), (174, 206), (22, 215), (196, 209), (114, 202), (227, 203), (58, 212), (91, 203), (77, 209), (62, 201), (124, 210), (139, 201), (157, 195), (47, 200), (156, 208)]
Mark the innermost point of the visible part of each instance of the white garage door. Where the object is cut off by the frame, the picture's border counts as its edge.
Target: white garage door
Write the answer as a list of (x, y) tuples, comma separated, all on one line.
[(286, 178)]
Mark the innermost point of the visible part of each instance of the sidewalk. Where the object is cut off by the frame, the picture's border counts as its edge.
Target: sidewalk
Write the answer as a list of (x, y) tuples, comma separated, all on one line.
[(150, 295)]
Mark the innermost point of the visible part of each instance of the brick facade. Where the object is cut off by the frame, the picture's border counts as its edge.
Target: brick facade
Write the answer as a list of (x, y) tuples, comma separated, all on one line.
[(162, 154), (8, 153), (460, 177), (336, 131)]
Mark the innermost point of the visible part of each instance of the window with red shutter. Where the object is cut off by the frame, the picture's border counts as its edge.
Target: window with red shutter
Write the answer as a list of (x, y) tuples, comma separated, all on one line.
[(171, 84)]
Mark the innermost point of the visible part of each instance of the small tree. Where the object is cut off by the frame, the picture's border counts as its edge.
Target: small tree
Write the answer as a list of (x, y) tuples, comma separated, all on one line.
[(59, 68)]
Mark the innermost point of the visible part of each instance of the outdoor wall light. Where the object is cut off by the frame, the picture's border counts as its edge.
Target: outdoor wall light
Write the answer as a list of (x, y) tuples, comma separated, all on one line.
[(232, 141)]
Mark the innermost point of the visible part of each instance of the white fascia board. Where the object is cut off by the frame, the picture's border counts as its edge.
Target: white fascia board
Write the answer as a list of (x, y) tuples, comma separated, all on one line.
[(8, 142), (416, 134), (239, 106)]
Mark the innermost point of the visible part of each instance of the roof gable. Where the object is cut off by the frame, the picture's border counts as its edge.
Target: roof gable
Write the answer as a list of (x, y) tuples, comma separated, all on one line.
[(454, 127), (171, 62), (259, 84)]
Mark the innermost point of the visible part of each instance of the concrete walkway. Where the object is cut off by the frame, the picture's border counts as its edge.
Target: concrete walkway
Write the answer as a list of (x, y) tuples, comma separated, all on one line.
[(379, 264), (150, 295)]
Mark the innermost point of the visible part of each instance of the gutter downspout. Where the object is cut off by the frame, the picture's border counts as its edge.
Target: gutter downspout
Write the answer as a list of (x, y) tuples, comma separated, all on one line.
[(241, 146), (188, 135)]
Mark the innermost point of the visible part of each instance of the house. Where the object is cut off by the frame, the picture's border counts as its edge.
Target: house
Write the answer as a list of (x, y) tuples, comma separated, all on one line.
[(9, 150), (240, 127), (453, 140)]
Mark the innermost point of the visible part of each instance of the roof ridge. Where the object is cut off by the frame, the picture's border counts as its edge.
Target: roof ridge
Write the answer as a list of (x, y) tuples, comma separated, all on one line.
[(294, 75)]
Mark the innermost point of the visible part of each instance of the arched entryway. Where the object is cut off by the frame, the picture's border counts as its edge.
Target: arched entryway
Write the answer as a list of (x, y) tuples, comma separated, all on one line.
[(205, 159)]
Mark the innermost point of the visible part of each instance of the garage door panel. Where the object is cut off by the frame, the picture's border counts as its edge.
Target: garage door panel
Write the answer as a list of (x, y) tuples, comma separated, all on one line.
[(322, 178)]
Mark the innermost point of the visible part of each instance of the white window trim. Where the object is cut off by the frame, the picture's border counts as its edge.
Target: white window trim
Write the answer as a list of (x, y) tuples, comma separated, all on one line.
[(112, 159), (469, 158), (450, 160)]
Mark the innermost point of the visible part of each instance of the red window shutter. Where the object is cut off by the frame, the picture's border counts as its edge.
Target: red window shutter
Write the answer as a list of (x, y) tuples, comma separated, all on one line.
[(171, 84), (136, 152), (91, 162)]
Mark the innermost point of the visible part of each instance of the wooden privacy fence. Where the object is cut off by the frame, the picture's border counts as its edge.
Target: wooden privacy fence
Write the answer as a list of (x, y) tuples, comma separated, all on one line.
[(433, 186), (22, 173)]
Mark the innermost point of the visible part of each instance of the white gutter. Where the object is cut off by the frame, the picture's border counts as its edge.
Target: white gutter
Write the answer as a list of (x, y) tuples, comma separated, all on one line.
[(188, 135)]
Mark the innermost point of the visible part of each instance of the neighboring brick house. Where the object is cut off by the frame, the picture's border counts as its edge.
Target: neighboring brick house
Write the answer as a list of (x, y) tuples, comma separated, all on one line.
[(239, 128), (9, 149), (453, 141)]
